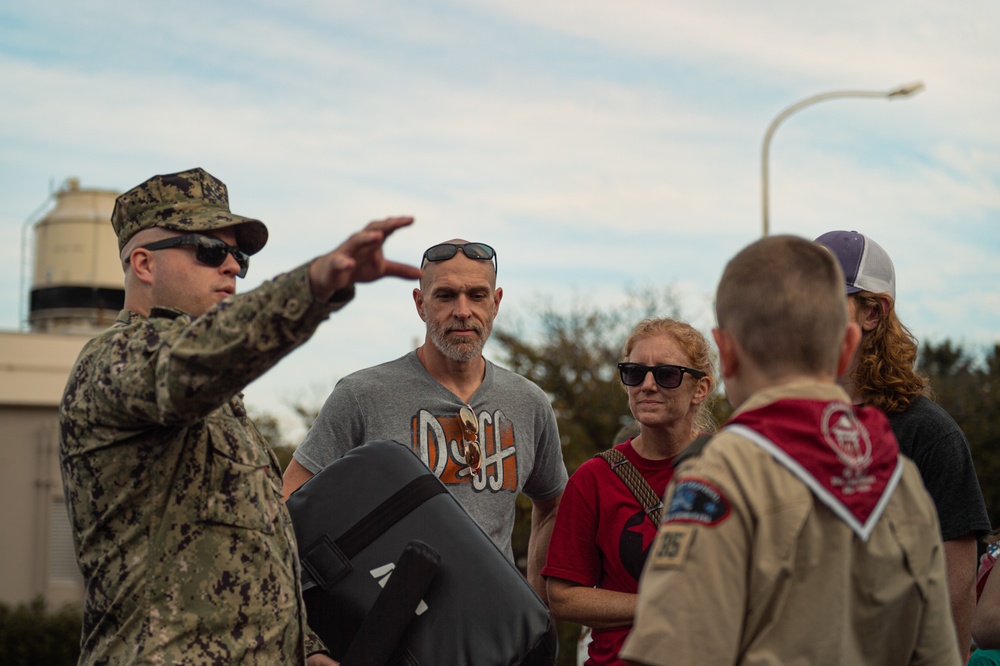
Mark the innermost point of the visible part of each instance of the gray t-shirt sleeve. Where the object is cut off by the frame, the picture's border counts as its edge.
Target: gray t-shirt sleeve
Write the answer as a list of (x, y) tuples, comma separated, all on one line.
[(339, 428), (548, 477)]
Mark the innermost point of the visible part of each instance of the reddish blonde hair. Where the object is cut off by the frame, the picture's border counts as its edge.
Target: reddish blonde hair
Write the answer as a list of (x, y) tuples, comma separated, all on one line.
[(886, 375)]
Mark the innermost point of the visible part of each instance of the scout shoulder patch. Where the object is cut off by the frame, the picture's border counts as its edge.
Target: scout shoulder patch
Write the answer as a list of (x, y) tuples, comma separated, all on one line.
[(670, 550), (697, 501)]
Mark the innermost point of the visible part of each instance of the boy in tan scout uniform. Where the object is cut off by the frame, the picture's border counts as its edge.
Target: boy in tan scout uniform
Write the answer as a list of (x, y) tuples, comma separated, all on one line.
[(186, 548), (798, 534)]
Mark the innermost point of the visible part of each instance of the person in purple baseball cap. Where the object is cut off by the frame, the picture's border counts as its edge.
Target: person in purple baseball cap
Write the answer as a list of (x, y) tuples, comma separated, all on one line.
[(883, 374)]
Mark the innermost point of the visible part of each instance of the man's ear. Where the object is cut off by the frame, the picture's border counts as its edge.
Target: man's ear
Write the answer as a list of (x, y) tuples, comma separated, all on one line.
[(143, 264), (728, 359), (418, 300), (871, 318), (497, 295), (849, 345)]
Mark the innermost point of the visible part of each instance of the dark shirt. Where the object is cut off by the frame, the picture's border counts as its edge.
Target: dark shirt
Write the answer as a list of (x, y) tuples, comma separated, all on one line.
[(930, 437)]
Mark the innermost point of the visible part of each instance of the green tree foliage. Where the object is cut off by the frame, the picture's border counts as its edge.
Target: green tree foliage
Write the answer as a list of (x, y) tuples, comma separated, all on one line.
[(269, 427), (31, 635), (573, 357), (969, 390)]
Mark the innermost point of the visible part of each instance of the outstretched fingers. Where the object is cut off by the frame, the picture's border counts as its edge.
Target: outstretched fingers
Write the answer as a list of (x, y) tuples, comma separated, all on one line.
[(360, 259), (406, 271)]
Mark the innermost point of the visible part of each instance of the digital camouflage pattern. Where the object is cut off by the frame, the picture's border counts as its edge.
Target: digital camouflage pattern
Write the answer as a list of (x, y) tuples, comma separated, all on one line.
[(185, 545), (192, 200)]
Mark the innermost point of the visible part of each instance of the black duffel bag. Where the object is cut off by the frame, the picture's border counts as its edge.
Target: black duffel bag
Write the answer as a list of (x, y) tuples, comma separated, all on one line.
[(396, 572)]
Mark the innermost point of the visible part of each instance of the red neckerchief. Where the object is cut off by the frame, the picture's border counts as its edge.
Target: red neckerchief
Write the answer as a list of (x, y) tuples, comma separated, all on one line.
[(846, 455)]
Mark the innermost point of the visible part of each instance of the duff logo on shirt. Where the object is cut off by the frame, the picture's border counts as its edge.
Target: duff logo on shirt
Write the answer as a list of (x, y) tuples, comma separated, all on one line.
[(850, 440), (437, 440)]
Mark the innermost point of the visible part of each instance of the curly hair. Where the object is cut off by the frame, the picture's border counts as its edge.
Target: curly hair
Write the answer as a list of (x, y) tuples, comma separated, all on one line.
[(695, 347), (886, 375)]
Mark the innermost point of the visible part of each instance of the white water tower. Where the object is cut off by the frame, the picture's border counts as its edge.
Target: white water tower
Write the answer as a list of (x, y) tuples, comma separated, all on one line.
[(78, 284)]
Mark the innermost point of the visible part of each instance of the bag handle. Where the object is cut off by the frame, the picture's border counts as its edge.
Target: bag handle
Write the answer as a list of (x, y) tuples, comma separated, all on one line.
[(395, 607)]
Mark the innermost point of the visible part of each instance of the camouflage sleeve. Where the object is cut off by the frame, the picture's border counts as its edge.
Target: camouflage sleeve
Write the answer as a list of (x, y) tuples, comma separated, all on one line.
[(176, 370), (315, 644)]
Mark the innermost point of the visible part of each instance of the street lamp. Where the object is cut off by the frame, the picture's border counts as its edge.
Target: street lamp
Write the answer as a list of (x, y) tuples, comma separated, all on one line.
[(900, 91)]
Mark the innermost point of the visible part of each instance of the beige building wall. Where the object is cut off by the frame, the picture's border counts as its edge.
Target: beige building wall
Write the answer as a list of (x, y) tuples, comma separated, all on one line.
[(76, 291), (37, 548)]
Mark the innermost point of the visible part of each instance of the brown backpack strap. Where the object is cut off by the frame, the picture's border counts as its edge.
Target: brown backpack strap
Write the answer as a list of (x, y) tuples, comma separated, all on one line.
[(630, 476)]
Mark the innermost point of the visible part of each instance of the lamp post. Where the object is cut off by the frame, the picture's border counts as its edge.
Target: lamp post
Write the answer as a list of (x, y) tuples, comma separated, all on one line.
[(900, 91)]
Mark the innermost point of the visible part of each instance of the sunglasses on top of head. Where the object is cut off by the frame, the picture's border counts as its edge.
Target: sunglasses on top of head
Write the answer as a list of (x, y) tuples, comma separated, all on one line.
[(667, 376), (207, 250), (445, 251)]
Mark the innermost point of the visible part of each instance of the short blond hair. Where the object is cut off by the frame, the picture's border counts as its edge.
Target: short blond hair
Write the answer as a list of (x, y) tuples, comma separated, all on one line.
[(783, 300)]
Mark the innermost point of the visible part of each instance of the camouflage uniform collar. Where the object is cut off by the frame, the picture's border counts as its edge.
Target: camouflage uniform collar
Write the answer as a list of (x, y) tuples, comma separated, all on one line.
[(127, 316), (166, 313)]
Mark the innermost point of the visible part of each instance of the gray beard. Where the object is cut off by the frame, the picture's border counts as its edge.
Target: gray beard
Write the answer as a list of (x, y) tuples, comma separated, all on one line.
[(462, 353)]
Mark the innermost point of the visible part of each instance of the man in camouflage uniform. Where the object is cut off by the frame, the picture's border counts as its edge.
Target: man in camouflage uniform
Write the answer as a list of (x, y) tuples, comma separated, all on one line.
[(186, 548)]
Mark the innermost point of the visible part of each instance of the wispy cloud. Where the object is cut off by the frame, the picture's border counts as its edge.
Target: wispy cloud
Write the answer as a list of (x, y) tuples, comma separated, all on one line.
[(595, 145)]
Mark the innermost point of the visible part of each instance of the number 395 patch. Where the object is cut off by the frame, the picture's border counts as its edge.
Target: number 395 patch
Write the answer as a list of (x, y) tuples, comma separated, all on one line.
[(671, 547)]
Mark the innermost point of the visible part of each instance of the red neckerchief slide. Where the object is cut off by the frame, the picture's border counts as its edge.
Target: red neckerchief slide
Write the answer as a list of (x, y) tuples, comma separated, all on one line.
[(846, 455)]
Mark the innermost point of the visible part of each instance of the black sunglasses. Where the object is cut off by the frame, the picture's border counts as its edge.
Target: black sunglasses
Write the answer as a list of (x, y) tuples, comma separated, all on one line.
[(667, 376), (445, 251), (208, 250)]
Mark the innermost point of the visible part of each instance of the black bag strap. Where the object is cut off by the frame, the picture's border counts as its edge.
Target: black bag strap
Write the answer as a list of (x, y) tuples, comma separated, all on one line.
[(388, 513), (326, 561), (651, 503), (382, 630)]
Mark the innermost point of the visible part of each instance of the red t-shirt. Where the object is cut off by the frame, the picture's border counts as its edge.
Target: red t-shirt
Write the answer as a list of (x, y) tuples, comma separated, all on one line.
[(602, 536)]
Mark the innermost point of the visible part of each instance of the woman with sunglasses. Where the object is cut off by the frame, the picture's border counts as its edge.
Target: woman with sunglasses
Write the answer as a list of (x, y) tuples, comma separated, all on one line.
[(602, 532)]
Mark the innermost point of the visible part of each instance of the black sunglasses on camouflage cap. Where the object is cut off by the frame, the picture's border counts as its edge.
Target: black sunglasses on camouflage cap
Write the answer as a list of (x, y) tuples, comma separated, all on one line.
[(445, 251), (207, 250)]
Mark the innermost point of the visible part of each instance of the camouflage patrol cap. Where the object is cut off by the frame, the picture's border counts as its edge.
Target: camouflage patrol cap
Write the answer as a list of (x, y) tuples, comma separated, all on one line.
[(192, 200)]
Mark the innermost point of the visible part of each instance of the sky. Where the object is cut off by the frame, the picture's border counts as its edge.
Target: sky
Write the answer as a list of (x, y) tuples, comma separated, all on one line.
[(601, 148)]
